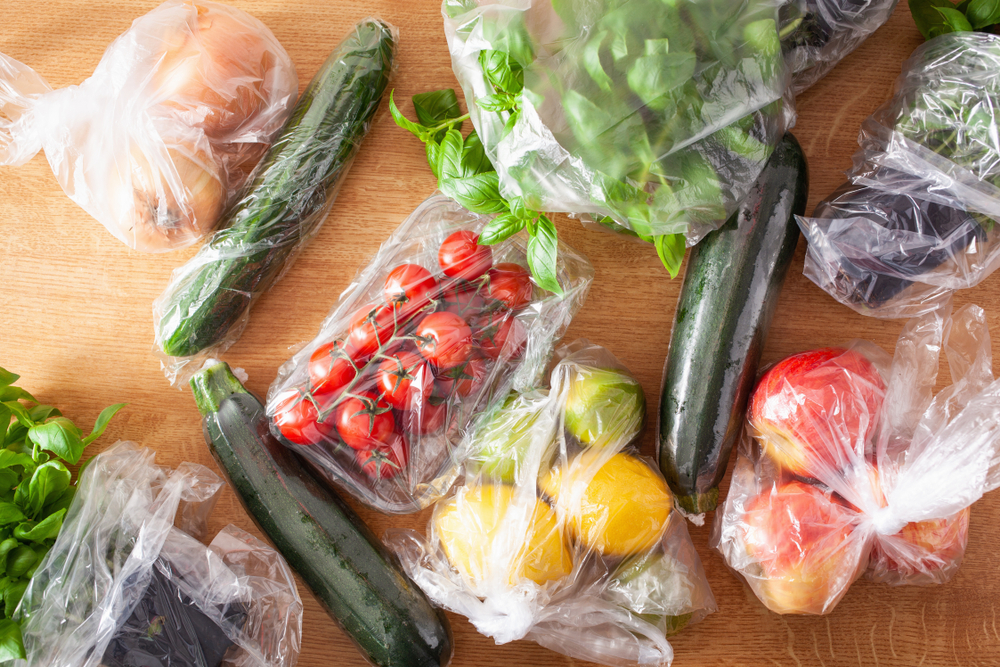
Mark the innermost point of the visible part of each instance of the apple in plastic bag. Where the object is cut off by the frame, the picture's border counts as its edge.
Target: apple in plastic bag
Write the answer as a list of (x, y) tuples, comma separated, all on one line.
[(805, 545), (812, 409), (604, 406)]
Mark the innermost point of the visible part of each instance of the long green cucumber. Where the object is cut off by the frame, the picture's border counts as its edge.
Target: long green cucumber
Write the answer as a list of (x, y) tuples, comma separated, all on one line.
[(286, 202), (727, 301), (351, 573)]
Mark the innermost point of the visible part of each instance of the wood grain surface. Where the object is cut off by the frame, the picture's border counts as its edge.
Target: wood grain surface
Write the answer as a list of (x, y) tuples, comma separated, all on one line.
[(76, 323)]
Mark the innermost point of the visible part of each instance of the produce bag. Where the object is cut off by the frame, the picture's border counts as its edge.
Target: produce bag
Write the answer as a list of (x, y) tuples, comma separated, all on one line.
[(818, 34), (432, 330), (854, 465), (561, 532), (656, 116), (916, 220), (164, 133), (127, 584)]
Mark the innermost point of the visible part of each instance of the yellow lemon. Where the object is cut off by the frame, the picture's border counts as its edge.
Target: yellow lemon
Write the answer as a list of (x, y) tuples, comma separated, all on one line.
[(469, 523), (622, 510)]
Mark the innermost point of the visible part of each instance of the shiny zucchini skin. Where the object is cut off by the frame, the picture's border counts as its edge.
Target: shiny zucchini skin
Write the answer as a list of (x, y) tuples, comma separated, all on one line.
[(727, 301), (351, 573)]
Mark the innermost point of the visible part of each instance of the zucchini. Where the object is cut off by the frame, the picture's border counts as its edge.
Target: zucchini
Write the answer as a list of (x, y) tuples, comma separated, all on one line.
[(728, 298), (290, 195), (354, 577)]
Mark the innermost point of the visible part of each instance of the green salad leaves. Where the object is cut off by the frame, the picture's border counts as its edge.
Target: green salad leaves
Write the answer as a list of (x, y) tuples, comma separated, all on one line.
[(36, 489)]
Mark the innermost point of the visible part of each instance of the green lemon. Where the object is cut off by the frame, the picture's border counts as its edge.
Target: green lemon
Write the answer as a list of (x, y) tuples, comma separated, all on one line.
[(505, 443), (604, 406)]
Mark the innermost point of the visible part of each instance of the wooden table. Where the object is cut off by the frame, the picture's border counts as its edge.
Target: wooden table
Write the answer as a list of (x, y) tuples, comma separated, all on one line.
[(76, 323)]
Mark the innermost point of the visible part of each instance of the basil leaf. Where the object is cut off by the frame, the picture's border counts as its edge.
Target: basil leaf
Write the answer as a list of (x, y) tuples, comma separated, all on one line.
[(102, 422), (498, 102), (20, 559), (12, 596), (42, 412), (929, 22), (479, 193), (46, 529), (9, 457), (14, 394), (591, 58), (954, 19), (59, 436), (11, 642), (417, 130), (48, 483), (61, 502), (434, 107), (500, 229), (543, 250), (434, 157), (450, 158), (5, 548), (670, 248), (651, 77), (511, 122), (21, 412), (982, 13), (10, 513), (474, 159), (8, 480), (502, 71), (5, 423), (7, 378)]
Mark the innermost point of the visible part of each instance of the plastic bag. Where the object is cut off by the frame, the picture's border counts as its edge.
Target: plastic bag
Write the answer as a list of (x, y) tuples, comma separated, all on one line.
[(856, 465), (123, 586), (596, 565), (917, 218), (659, 115), (818, 34), (164, 133), (379, 401)]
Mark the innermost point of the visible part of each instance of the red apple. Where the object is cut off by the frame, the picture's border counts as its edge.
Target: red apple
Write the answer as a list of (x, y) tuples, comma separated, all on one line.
[(804, 541), (812, 409)]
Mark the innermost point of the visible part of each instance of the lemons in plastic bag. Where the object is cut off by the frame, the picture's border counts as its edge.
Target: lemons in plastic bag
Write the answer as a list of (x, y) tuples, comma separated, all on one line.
[(473, 526), (622, 510), (604, 406)]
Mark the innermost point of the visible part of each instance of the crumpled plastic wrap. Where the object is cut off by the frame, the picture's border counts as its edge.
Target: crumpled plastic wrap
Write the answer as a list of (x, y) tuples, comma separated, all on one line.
[(561, 533), (499, 337), (916, 220), (659, 115), (818, 34), (162, 136), (126, 582), (855, 465)]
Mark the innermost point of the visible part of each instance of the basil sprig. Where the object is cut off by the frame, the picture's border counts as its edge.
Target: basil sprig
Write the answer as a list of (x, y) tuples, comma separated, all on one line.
[(36, 489), (938, 17)]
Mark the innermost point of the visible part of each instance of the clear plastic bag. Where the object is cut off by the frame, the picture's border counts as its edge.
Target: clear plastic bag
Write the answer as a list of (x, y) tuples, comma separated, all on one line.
[(162, 136), (659, 115), (854, 464), (818, 34), (123, 584), (916, 220), (415, 374), (575, 546)]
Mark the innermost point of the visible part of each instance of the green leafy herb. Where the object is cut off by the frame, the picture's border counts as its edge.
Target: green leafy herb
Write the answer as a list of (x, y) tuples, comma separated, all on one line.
[(939, 17), (35, 491)]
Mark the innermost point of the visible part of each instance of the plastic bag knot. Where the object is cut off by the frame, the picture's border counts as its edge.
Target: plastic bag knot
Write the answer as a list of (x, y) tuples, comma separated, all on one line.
[(886, 522)]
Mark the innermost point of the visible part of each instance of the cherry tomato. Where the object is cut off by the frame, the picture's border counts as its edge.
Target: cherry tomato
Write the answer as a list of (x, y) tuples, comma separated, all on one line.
[(364, 421), (331, 368), (385, 460), (428, 419), (500, 334), (296, 419), (463, 379), (410, 288), (463, 298), (461, 256), (511, 284), (371, 326), (405, 379), (445, 339)]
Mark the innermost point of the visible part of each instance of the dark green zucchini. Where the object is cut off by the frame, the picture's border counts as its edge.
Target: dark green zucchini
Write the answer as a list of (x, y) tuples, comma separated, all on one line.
[(728, 298), (286, 202), (351, 573)]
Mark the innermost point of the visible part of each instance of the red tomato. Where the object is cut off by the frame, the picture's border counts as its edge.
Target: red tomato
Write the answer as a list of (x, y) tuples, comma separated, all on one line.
[(364, 421), (405, 379), (445, 339), (428, 419), (461, 256), (410, 288), (463, 379), (384, 461), (371, 326), (511, 284), (296, 419), (500, 334), (463, 298), (331, 368)]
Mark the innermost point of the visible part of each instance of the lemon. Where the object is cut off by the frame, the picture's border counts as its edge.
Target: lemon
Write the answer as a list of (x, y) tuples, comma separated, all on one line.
[(604, 406), (624, 507), (469, 524)]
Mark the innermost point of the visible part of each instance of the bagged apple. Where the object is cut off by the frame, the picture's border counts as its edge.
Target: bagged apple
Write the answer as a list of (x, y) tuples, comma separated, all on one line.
[(561, 533), (429, 333), (853, 465)]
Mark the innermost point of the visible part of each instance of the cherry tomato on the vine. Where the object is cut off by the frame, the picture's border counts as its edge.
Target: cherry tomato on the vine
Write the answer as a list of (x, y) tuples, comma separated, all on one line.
[(428, 419), (463, 379), (409, 288), (444, 338), (499, 334), (461, 256), (463, 298), (331, 368), (365, 420), (297, 419), (405, 379), (372, 326), (511, 284), (385, 460)]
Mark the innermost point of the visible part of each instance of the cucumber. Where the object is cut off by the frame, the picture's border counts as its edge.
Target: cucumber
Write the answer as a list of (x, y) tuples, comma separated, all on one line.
[(728, 298), (208, 300), (353, 576)]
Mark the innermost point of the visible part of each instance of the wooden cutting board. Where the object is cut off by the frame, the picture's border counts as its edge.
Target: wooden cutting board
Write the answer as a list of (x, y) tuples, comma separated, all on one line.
[(76, 323)]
